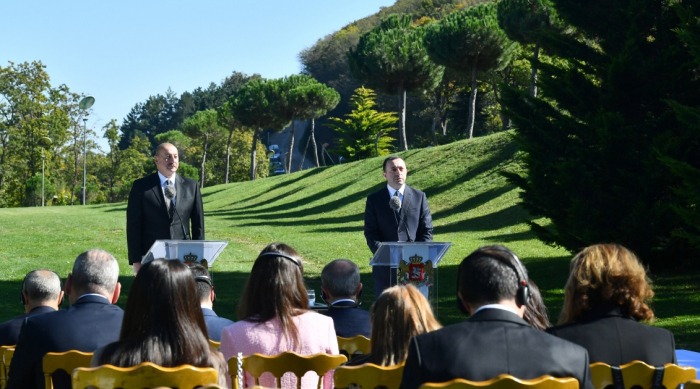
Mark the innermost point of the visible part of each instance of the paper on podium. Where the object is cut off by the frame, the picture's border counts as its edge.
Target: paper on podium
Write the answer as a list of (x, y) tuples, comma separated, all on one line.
[(203, 252)]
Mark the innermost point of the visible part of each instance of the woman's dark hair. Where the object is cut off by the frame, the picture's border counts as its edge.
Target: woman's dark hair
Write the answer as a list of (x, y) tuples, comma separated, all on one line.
[(163, 321), (535, 311), (275, 290)]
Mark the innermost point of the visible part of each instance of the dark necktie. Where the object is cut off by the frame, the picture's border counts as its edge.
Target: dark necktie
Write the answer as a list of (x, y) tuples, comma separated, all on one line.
[(170, 203), (398, 211)]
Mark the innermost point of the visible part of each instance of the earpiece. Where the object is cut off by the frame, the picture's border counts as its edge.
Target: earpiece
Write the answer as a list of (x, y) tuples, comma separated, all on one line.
[(21, 295)]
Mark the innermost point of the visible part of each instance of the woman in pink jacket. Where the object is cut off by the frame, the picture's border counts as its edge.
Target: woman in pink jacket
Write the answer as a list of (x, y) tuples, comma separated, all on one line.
[(275, 317)]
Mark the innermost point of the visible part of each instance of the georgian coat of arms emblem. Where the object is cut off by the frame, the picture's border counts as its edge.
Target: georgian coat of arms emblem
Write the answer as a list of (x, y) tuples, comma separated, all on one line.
[(416, 271)]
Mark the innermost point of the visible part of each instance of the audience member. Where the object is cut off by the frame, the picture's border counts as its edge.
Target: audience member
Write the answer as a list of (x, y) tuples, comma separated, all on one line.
[(340, 282), (400, 313), (163, 323), (41, 293), (88, 324), (274, 317), (492, 287), (607, 293), (535, 311), (207, 297)]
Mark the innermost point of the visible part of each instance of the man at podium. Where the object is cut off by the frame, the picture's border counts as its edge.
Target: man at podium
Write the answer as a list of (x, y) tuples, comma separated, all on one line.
[(162, 206), (397, 213)]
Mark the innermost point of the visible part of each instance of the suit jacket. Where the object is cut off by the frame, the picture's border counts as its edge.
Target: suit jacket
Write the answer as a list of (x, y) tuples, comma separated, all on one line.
[(88, 324), (147, 218), (9, 330), (382, 225), (492, 342), (215, 324), (613, 337), (349, 321)]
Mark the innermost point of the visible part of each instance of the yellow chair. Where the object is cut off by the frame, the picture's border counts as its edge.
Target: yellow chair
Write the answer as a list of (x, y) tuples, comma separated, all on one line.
[(145, 375), (214, 344), (355, 344), (638, 373), (3, 368), (694, 384), (505, 381), (66, 361), (7, 359), (368, 376), (278, 365)]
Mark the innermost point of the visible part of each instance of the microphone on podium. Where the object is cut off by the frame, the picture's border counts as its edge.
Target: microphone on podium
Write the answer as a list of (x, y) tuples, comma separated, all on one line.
[(395, 205), (170, 192)]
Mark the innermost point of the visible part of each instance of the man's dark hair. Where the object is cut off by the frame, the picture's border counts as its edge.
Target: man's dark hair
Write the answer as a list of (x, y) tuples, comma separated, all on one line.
[(341, 277), (485, 277), (203, 287), (390, 158)]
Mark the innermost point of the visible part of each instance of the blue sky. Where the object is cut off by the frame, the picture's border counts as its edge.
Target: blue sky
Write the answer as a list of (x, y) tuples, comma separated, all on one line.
[(123, 51)]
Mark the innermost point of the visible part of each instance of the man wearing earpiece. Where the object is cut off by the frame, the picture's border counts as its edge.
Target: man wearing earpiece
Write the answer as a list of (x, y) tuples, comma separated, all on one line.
[(207, 297), (492, 288), (41, 293)]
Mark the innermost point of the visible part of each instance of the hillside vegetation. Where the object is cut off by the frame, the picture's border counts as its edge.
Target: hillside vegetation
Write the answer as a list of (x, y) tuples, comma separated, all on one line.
[(319, 212)]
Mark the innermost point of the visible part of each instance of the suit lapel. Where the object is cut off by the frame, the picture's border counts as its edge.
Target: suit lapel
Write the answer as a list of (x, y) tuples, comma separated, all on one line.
[(180, 187), (158, 192), (389, 213), (406, 201)]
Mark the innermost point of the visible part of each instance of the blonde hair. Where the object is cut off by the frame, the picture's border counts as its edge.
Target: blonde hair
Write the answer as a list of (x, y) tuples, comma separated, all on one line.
[(606, 274), (401, 313)]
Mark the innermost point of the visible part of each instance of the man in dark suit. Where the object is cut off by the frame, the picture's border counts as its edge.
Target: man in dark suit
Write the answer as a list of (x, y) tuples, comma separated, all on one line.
[(41, 293), (92, 321), (411, 223), (340, 283), (207, 297), (151, 216), (495, 340)]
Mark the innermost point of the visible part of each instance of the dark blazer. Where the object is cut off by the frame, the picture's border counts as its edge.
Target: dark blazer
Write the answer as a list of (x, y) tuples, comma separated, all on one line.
[(147, 217), (382, 225), (87, 325), (613, 337), (492, 342), (349, 321), (9, 330), (215, 324)]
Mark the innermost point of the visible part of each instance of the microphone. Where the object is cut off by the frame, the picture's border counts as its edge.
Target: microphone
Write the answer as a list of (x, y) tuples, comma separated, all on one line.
[(170, 192)]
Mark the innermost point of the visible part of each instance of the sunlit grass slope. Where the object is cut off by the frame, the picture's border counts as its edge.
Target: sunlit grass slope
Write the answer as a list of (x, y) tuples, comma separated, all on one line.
[(319, 212)]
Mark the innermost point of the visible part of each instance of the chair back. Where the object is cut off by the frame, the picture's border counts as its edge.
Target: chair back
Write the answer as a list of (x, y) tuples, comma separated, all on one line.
[(356, 343), (505, 381), (638, 373), (7, 359), (3, 368), (694, 384), (214, 344), (145, 375), (66, 361), (278, 365), (368, 376)]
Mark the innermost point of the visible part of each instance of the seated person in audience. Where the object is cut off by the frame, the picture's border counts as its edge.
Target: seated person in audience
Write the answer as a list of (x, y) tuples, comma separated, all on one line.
[(605, 298), (41, 293), (400, 313), (207, 297), (535, 311), (492, 288), (91, 322), (340, 282), (163, 323), (274, 317)]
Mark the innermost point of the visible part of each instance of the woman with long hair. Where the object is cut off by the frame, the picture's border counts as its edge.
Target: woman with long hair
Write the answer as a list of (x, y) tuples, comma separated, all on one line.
[(535, 311), (606, 298), (274, 317), (163, 323), (400, 313)]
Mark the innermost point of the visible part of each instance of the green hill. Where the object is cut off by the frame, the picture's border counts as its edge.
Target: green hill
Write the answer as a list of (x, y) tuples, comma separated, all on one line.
[(319, 212)]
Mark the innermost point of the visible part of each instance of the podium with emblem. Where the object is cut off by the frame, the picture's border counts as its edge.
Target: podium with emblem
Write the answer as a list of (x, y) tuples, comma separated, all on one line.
[(203, 252), (414, 263)]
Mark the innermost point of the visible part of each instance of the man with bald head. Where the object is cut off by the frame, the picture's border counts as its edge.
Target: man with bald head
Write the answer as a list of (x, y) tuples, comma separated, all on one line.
[(151, 215), (341, 286), (91, 321), (41, 293)]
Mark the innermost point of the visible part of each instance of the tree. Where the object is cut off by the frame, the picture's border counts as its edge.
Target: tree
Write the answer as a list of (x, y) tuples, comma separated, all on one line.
[(392, 58), (254, 107), (469, 41), (523, 21), (228, 121), (292, 105), (202, 124), (114, 156), (318, 99), (364, 129)]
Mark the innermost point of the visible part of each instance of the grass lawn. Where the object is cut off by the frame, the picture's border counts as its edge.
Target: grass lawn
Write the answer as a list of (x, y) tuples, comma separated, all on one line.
[(319, 212)]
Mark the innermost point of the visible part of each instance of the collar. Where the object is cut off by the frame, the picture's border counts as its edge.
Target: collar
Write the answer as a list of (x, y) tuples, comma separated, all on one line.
[(90, 295), (392, 190), (496, 306), (206, 311), (41, 308), (606, 310), (343, 301), (163, 178)]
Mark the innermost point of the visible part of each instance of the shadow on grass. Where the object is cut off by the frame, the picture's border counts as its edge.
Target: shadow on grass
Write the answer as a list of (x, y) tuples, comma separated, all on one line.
[(506, 217), (119, 209)]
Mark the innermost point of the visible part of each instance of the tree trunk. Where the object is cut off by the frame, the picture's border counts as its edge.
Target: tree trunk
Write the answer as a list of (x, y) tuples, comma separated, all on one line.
[(252, 154), (505, 120), (204, 159), (303, 157), (2, 159), (403, 144), (472, 103), (533, 75), (228, 154), (75, 177), (291, 147), (313, 141), (443, 126), (434, 134)]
